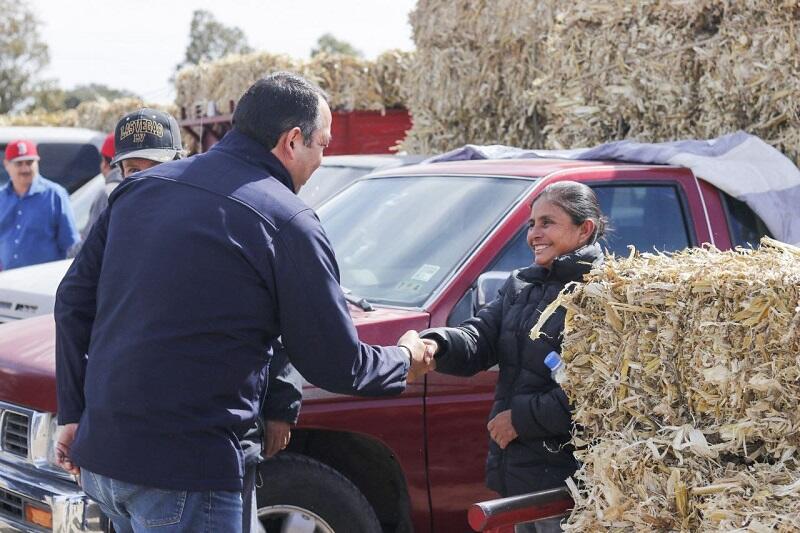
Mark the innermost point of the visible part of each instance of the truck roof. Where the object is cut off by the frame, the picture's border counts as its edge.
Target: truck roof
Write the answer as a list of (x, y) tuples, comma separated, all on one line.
[(511, 167)]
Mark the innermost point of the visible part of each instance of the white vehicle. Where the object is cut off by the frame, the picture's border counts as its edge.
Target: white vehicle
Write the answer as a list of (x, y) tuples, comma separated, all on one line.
[(70, 156), (30, 291)]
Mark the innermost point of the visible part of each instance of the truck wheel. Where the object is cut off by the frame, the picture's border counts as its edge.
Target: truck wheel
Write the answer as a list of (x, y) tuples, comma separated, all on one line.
[(302, 495)]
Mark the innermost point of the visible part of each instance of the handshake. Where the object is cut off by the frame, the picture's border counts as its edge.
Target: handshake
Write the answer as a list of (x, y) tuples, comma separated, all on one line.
[(422, 354)]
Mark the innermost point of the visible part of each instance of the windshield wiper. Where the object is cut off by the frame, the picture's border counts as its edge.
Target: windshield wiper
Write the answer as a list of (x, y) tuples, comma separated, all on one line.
[(359, 302)]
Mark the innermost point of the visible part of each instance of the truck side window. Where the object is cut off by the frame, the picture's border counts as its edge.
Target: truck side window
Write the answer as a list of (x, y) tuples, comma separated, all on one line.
[(746, 227), (650, 217), (515, 254)]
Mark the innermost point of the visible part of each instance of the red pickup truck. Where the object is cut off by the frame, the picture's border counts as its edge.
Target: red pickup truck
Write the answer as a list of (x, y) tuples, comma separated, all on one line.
[(417, 246)]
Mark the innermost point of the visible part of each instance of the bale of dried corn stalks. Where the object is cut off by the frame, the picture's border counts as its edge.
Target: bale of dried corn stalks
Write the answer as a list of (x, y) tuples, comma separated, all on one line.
[(558, 73), (684, 370), (351, 83), (101, 115)]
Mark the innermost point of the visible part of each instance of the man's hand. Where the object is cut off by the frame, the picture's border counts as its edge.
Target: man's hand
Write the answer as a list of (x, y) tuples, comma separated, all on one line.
[(421, 361), (66, 435), (501, 430), (278, 434)]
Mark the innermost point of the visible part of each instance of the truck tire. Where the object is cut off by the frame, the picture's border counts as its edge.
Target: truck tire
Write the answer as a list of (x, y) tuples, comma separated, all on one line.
[(301, 494)]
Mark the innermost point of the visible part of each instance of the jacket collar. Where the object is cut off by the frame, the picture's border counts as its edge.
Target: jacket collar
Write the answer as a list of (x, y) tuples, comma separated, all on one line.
[(240, 145), (568, 267)]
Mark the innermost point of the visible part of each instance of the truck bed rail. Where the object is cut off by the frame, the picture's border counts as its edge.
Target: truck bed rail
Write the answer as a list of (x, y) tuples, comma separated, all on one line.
[(500, 515)]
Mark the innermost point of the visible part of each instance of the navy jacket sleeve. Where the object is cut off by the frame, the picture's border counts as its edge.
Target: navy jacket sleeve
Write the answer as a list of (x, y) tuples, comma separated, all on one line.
[(316, 328), (471, 347), (285, 389), (541, 415), (75, 309)]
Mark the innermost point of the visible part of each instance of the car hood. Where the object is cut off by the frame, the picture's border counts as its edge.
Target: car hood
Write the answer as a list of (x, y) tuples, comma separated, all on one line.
[(27, 363), (27, 351)]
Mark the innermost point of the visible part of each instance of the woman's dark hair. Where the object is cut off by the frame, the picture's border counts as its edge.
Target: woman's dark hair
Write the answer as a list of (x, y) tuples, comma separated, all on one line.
[(276, 104), (580, 203)]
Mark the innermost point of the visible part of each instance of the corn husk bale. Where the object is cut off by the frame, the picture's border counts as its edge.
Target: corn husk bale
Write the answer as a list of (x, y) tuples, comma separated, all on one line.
[(223, 81), (351, 83), (684, 370), (562, 74), (68, 118), (667, 482), (474, 61), (101, 115), (702, 337)]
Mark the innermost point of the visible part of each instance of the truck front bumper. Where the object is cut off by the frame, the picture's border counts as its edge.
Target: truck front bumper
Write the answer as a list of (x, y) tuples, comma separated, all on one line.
[(27, 493)]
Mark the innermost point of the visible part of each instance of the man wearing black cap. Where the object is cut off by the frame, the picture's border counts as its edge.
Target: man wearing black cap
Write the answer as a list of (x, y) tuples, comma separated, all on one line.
[(144, 139), (165, 319)]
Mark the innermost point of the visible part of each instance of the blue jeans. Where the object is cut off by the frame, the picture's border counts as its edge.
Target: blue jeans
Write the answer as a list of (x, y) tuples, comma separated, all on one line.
[(135, 508)]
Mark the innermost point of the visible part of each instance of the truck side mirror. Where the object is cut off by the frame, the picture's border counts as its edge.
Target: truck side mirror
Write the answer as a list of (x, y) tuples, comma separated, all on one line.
[(487, 286)]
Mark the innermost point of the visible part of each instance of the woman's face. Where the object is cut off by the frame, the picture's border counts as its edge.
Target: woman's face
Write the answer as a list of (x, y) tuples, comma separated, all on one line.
[(551, 232)]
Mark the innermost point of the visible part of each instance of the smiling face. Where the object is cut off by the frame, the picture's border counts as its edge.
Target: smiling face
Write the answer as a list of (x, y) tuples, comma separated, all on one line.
[(21, 173), (552, 233)]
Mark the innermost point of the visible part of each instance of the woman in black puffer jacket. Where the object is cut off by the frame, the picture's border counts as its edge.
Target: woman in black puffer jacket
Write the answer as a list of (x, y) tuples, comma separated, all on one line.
[(530, 422)]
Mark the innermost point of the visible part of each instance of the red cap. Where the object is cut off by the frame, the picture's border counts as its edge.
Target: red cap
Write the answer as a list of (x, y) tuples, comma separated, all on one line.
[(21, 150), (108, 146)]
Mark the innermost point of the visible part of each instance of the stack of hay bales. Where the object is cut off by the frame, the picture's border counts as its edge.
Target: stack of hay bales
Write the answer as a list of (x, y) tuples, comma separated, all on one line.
[(68, 117), (684, 371), (101, 115), (560, 74), (351, 83)]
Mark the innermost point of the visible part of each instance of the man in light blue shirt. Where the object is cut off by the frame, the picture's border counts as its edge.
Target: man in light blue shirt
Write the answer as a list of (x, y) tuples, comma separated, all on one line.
[(36, 220)]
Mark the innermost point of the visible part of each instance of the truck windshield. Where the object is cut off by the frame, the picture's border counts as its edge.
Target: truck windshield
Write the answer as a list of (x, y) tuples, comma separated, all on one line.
[(326, 181), (397, 239)]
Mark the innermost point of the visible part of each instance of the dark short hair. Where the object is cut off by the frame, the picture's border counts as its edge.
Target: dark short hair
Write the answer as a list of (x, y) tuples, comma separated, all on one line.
[(107, 160), (276, 104), (580, 203)]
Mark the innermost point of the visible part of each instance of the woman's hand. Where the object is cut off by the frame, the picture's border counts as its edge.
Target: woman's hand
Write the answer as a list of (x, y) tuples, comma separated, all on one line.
[(431, 349), (501, 430)]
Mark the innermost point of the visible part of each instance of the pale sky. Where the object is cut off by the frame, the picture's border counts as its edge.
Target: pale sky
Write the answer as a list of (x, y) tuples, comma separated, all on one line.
[(135, 44)]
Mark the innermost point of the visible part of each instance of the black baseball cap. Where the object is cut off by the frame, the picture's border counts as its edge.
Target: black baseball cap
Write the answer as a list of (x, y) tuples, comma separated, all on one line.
[(147, 134)]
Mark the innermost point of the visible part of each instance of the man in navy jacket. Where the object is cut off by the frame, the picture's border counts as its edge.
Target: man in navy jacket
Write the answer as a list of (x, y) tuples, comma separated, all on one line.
[(165, 319)]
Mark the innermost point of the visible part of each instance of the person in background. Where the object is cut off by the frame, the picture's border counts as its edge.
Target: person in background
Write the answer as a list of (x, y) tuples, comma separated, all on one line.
[(113, 177), (158, 378), (36, 220), (530, 421)]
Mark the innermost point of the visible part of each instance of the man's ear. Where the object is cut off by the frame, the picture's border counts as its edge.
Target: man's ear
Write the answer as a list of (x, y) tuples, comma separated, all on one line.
[(289, 140)]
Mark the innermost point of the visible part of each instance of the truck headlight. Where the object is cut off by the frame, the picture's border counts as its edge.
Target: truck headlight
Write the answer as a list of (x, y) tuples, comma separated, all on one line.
[(52, 438), (42, 433)]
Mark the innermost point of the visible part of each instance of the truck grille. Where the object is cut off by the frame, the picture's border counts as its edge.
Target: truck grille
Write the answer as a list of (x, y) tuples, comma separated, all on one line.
[(15, 433), (10, 504)]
